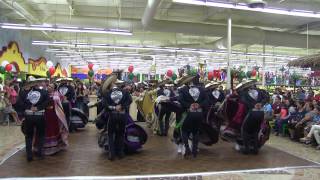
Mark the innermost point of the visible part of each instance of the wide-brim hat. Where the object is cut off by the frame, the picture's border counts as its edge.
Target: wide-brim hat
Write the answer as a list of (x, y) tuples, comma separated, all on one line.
[(64, 79), (107, 83), (184, 79), (212, 85), (246, 84), (164, 82)]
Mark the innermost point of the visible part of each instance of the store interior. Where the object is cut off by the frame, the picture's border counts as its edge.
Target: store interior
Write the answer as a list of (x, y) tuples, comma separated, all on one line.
[(274, 42)]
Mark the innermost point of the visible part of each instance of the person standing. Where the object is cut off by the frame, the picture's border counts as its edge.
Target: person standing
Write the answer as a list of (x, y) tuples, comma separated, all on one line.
[(35, 101), (194, 101), (117, 102)]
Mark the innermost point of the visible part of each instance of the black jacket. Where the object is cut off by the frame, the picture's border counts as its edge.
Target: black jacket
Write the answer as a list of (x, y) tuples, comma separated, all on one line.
[(186, 99), (41, 104), (124, 101)]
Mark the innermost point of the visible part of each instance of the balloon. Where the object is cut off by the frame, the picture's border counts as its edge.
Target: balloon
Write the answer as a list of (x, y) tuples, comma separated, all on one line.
[(174, 77), (8, 67), (52, 70), (169, 73), (4, 63), (254, 72), (131, 76), (210, 76), (130, 68), (2, 70), (90, 66), (90, 73), (48, 74), (49, 64)]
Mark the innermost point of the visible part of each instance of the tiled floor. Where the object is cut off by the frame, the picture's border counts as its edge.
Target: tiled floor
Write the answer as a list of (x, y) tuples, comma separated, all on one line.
[(84, 158), (10, 137)]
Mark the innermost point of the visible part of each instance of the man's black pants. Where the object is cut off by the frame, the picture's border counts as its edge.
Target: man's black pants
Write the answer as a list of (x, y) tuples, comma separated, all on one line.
[(34, 122)]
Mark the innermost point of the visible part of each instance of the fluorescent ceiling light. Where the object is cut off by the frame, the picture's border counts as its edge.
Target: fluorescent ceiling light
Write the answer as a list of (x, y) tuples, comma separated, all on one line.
[(65, 29), (167, 49), (241, 6)]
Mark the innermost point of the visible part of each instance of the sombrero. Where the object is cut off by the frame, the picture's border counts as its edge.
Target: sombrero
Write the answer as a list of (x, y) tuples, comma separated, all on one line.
[(246, 84), (164, 82), (184, 79), (212, 85), (64, 79), (111, 79)]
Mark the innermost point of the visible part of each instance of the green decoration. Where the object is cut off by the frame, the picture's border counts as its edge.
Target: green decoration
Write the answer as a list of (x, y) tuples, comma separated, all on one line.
[(48, 74), (2, 70), (91, 73), (131, 76), (193, 72), (174, 77), (249, 74)]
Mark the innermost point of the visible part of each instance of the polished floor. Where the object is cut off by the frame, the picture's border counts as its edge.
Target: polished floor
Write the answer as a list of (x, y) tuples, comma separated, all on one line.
[(84, 158)]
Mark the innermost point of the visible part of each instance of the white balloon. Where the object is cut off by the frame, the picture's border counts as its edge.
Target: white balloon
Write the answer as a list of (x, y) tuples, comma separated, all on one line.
[(4, 63), (49, 64)]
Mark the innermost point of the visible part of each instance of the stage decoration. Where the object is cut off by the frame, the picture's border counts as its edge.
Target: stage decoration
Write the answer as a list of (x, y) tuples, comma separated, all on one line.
[(48, 74), (12, 55), (52, 71), (2, 70), (174, 77), (4, 63), (254, 72), (169, 73), (131, 76), (8, 67), (91, 73), (49, 64), (90, 66), (210, 76), (130, 68), (38, 67)]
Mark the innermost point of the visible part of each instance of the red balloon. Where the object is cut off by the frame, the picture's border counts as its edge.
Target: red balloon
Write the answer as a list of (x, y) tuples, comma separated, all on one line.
[(8, 67), (210, 76), (90, 66), (52, 70), (254, 72), (130, 68), (169, 73)]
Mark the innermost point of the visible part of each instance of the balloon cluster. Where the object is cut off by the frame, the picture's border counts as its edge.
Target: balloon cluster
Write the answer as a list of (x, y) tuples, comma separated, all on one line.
[(171, 75), (51, 69), (5, 67), (90, 72), (130, 75)]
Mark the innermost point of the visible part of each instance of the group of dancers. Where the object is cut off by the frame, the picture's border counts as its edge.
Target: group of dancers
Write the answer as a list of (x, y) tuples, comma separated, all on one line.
[(202, 111)]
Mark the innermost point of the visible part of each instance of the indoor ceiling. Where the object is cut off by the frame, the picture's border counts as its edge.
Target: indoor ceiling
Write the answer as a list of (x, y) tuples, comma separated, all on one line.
[(171, 25)]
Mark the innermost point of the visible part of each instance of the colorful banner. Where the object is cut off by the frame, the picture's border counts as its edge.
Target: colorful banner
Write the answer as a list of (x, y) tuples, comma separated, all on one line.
[(38, 67), (59, 72), (12, 54)]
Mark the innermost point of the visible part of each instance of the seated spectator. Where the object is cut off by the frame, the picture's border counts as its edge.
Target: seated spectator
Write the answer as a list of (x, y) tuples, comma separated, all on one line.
[(276, 106), (300, 114), (314, 128), (283, 116), (307, 121)]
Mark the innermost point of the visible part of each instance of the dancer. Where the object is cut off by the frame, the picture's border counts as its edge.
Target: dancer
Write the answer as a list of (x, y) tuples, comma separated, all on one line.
[(164, 94), (117, 103), (35, 101), (193, 100), (56, 138), (246, 125)]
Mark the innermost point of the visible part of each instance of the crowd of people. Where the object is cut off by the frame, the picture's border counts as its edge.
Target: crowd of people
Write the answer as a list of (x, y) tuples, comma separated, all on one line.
[(296, 115), (43, 108)]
